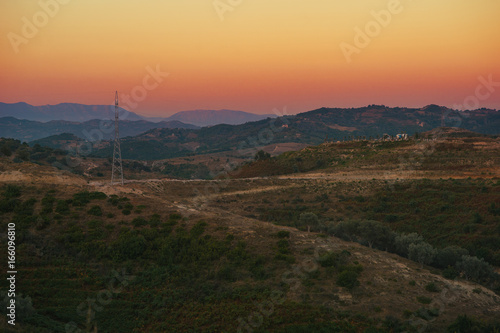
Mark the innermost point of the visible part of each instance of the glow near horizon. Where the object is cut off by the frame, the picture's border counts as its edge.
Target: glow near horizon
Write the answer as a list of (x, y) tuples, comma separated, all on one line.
[(264, 55)]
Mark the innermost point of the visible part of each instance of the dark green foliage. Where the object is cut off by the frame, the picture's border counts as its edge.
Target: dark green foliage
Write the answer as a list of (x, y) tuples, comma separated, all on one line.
[(95, 210), (424, 299), (139, 222), (465, 324), (262, 155), (449, 256), (84, 197), (371, 233), (431, 287), (348, 279), (11, 191), (283, 234), (334, 259), (62, 207), (129, 245), (187, 171), (475, 268), (450, 273), (402, 242), (422, 253)]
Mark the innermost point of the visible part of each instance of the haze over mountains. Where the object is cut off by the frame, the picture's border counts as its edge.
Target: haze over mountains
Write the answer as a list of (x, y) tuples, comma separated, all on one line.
[(81, 113), (92, 130)]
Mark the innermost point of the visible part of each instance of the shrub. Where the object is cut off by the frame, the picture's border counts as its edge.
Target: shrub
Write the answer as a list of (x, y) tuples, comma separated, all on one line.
[(475, 269), (129, 245), (348, 279), (283, 234), (449, 256), (62, 207), (95, 211), (450, 273), (422, 253), (424, 299), (12, 191), (139, 222), (431, 287), (402, 242)]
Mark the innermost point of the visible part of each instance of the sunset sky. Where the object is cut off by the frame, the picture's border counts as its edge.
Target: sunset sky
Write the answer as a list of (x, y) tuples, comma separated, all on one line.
[(260, 55)]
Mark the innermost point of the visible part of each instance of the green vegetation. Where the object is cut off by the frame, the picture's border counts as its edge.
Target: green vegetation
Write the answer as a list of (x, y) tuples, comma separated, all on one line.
[(178, 274)]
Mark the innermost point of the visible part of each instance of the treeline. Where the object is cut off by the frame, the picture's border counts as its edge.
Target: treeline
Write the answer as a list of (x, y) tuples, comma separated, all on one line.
[(453, 260)]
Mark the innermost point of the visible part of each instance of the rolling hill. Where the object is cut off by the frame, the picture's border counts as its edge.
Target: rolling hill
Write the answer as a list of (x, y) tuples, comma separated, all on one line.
[(26, 130), (312, 127)]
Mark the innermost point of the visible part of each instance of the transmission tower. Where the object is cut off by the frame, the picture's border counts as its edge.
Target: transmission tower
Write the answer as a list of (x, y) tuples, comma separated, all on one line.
[(117, 171)]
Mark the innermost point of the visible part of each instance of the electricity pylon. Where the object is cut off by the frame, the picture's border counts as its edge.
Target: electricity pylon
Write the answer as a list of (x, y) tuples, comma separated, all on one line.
[(117, 170)]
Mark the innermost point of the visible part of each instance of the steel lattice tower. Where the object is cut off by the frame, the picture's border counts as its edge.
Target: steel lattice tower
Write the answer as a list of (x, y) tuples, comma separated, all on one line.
[(117, 171)]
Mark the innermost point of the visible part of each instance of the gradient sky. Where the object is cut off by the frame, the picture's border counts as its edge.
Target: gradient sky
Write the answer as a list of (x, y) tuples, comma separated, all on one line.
[(265, 54)]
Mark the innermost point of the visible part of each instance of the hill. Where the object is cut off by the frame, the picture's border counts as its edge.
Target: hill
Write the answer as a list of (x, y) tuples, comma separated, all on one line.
[(214, 117), (72, 112), (95, 129), (433, 154), (312, 127), (182, 256)]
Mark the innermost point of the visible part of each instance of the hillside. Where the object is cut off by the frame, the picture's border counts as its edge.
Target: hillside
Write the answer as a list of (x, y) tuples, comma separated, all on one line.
[(26, 130), (312, 127), (72, 112), (181, 256)]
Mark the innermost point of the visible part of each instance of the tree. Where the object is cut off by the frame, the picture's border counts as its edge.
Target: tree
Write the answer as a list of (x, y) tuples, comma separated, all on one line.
[(23, 154), (403, 242), (422, 253), (449, 256), (262, 155), (347, 230), (309, 220), (6, 150), (474, 268), (376, 234)]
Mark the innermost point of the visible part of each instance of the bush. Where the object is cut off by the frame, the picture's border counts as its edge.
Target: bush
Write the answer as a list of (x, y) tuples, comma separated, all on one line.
[(402, 242), (139, 222), (475, 269), (12, 191), (450, 273), (466, 324), (424, 299), (431, 287), (129, 245), (283, 234), (449, 256), (95, 211), (348, 279), (422, 253)]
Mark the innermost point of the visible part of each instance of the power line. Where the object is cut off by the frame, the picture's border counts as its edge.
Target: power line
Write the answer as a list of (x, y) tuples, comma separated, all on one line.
[(117, 169)]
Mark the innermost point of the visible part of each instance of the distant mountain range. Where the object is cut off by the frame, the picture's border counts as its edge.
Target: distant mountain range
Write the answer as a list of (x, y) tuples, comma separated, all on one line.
[(81, 113), (204, 118), (311, 127), (92, 130)]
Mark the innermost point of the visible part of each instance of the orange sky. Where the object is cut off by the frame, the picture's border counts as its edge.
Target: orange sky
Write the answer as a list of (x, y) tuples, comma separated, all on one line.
[(263, 54)]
